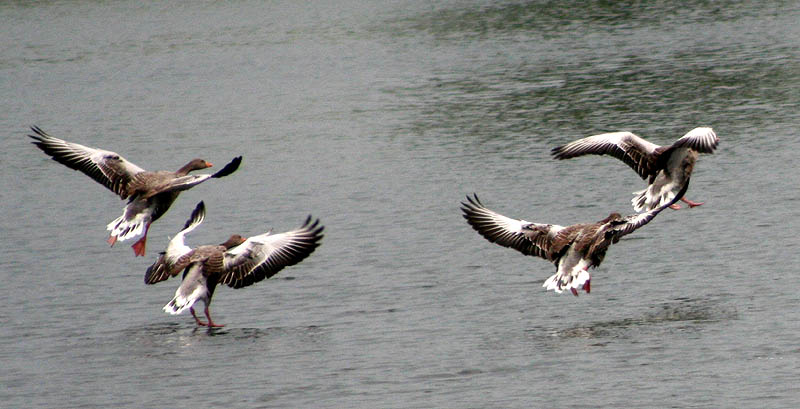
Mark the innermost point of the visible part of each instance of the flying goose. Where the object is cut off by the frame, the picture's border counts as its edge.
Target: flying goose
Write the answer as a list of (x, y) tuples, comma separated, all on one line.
[(149, 194), (667, 167), (573, 249), (238, 262)]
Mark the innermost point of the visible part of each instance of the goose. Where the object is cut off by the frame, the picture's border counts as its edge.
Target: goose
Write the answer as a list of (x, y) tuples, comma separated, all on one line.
[(667, 167), (238, 262), (149, 194), (573, 249)]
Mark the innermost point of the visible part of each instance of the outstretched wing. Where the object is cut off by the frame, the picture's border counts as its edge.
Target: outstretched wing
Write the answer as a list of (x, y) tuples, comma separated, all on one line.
[(532, 239), (263, 256), (107, 168), (625, 146), (632, 222), (702, 140), (159, 182), (164, 267), (229, 168)]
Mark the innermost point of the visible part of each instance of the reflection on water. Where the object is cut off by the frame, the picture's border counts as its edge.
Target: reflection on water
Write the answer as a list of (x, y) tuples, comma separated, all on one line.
[(693, 313), (165, 340), (379, 117), (549, 18), (149, 335), (307, 332)]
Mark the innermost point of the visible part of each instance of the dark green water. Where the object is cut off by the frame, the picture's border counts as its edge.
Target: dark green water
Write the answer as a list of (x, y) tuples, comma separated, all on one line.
[(378, 119)]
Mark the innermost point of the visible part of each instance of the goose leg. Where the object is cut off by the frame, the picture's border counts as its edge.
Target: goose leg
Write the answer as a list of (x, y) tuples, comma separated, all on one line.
[(111, 240), (197, 320), (210, 322), (139, 246), (691, 203)]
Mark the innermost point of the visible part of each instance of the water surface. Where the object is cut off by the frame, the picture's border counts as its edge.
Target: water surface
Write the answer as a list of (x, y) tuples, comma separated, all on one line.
[(379, 119)]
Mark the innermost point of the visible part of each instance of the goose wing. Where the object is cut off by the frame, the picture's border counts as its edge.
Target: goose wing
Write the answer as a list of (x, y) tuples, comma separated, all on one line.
[(154, 183), (106, 167), (163, 268), (263, 256), (625, 146), (532, 239), (229, 168), (702, 140), (630, 223)]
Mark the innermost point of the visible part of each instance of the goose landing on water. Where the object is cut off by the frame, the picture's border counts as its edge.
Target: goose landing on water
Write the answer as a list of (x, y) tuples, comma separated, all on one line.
[(573, 249), (237, 263), (667, 167), (149, 194)]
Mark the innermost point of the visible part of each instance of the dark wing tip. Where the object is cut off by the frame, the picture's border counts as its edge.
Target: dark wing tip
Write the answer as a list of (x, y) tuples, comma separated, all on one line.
[(313, 227), (474, 200), (198, 212), (149, 275), (471, 206), (229, 168), (38, 131), (40, 135), (476, 213), (559, 153)]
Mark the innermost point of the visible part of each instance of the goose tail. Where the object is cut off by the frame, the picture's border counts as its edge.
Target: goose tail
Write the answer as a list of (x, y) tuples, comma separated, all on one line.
[(576, 279)]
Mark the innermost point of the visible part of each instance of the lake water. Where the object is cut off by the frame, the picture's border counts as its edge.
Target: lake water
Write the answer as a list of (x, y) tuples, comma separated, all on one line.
[(379, 118)]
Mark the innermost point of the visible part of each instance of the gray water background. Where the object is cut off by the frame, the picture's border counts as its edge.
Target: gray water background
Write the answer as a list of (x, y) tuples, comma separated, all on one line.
[(378, 118)]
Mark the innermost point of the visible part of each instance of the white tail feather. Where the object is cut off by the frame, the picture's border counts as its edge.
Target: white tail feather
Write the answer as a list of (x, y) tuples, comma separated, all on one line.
[(176, 306), (180, 302), (559, 281), (552, 283), (124, 229), (192, 288), (648, 199)]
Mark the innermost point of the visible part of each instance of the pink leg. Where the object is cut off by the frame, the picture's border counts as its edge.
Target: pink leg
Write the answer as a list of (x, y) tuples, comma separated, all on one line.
[(138, 247), (211, 323), (675, 206), (587, 286), (111, 240), (691, 203), (197, 320), (574, 291)]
